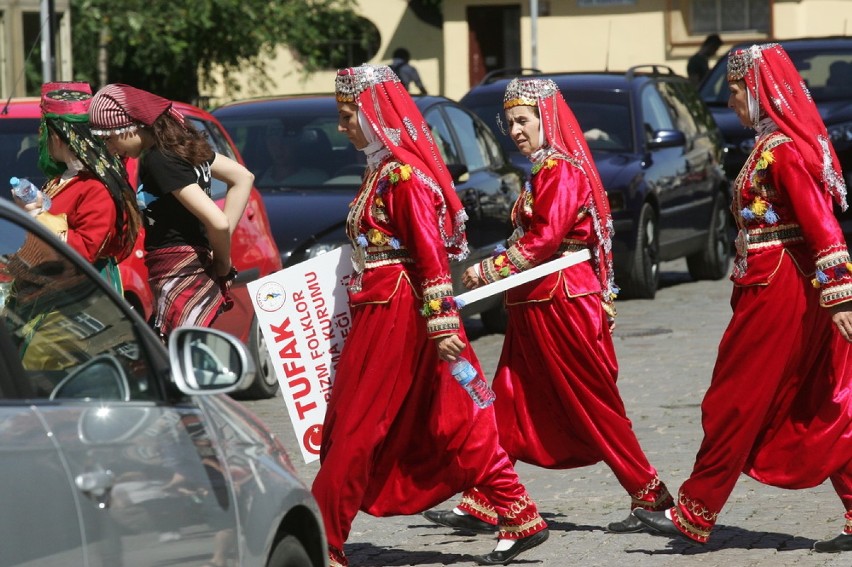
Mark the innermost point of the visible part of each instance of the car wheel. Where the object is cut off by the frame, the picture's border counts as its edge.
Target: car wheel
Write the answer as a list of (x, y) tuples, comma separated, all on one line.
[(289, 553), (644, 276), (265, 384), (495, 319), (712, 262)]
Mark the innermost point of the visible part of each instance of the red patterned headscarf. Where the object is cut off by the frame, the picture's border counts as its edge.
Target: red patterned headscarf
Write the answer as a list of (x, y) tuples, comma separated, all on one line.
[(395, 119), (121, 108), (781, 95), (563, 134)]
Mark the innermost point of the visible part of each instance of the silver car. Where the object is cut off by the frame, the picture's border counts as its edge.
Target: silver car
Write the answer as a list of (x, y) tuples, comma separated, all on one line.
[(117, 452)]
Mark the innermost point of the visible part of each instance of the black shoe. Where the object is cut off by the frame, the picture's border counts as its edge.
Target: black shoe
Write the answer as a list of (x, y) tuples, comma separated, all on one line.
[(504, 557), (843, 542), (658, 522), (465, 523), (629, 525)]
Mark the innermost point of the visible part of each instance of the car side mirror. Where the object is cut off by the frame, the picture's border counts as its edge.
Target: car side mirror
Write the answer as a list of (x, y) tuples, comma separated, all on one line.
[(459, 172), (208, 361), (667, 139)]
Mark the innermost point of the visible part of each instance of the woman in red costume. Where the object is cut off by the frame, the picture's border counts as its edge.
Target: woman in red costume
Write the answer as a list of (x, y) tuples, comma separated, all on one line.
[(779, 406), (400, 434), (557, 402), (93, 207)]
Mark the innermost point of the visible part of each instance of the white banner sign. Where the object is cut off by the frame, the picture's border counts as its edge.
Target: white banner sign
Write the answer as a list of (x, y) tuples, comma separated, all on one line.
[(526, 276), (303, 312)]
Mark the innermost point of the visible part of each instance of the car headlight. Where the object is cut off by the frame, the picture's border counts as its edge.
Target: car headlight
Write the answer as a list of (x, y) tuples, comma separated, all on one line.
[(841, 134)]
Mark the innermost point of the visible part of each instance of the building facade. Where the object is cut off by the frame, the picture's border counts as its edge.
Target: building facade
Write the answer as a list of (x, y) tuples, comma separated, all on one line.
[(21, 29), (479, 36), (472, 38)]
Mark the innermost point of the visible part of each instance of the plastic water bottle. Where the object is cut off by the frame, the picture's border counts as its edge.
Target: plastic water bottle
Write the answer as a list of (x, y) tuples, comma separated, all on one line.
[(466, 375), (24, 190)]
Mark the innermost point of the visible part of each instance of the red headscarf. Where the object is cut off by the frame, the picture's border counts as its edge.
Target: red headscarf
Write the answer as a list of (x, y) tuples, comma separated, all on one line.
[(391, 113), (781, 95), (121, 108), (562, 133)]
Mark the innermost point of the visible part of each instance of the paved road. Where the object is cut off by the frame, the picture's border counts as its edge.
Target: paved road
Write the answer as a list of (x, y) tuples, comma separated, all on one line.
[(666, 349)]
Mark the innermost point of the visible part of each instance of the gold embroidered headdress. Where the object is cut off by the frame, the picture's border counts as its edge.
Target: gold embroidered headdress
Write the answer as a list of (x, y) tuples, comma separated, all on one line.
[(352, 81), (742, 60), (526, 92)]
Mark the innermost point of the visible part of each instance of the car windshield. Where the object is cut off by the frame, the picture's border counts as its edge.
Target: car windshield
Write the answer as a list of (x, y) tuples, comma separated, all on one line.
[(291, 148), (828, 74), (604, 117), (19, 151)]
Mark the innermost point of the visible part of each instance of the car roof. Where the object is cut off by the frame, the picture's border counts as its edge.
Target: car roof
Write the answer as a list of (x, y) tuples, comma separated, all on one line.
[(806, 43), (308, 103), (266, 103), (23, 107), (579, 80)]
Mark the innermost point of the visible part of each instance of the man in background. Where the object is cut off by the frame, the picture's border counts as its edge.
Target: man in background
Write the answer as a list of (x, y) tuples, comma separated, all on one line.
[(699, 64), (405, 71)]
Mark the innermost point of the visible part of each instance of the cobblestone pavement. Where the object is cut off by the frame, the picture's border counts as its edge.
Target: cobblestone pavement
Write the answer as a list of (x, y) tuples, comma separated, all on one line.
[(666, 349)]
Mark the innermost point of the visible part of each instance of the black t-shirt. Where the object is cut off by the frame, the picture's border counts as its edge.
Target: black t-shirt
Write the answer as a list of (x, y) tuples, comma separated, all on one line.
[(167, 221)]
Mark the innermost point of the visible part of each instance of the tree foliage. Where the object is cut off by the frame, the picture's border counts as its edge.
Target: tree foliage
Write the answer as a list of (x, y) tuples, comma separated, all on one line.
[(166, 46)]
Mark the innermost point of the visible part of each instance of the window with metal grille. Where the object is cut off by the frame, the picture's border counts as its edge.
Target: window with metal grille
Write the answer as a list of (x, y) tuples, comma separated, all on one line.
[(730, 16)]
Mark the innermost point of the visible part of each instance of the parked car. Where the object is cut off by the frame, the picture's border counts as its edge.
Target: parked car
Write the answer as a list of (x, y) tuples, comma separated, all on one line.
[(659, 155), (253, 250), (826, 65), (119, 452), (308, 206)]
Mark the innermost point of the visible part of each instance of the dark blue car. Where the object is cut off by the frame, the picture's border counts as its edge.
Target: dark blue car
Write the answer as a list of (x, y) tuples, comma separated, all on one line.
[(308, 174), (660, 156), (826, 65)]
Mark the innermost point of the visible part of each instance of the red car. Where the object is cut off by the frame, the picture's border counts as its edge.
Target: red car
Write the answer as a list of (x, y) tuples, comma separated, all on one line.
[(254, 251)]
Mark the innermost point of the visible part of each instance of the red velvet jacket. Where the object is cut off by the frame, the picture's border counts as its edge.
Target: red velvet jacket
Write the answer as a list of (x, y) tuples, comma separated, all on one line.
[(88, 209), (781, 210), (551, 217), (393, 225)]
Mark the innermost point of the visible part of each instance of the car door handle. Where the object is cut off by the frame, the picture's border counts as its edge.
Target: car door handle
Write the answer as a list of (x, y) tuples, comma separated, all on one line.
[(96, 485)]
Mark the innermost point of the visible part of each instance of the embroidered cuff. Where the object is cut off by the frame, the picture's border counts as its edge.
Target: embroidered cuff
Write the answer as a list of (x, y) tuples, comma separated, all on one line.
[(440, 326), (504, 264), (834, 278), (439, 309)]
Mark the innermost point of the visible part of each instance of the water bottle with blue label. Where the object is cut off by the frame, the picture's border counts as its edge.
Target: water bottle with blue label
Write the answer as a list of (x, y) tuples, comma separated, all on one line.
[(472, 381), (24, 190)]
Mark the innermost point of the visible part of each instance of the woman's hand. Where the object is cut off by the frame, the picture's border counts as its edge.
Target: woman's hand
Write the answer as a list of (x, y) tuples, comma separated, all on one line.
[(449, 347), (222, 266), (841, 315), (471, 279), (32, 208)]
